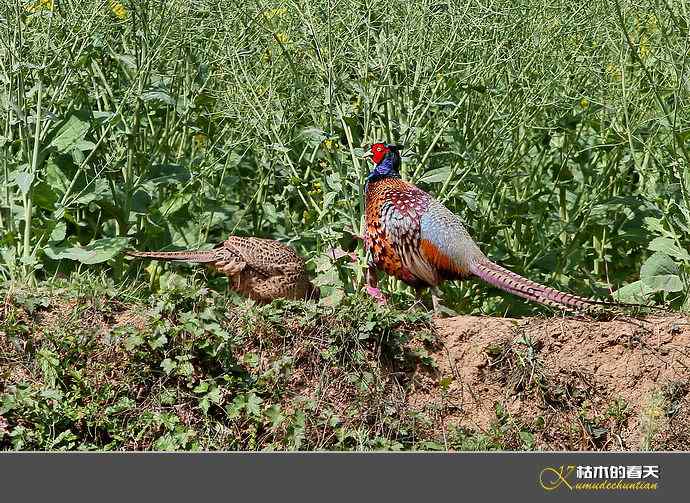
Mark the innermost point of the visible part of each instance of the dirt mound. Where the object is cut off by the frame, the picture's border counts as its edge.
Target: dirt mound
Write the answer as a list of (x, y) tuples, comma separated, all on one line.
[(192, 370), (564, 383)]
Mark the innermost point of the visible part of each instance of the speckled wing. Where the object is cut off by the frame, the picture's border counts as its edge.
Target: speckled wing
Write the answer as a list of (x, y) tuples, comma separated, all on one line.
[(265, 256)]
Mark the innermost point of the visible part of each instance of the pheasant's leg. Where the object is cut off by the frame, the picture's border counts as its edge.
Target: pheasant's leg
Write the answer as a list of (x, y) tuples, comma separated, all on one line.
[(372, 286)]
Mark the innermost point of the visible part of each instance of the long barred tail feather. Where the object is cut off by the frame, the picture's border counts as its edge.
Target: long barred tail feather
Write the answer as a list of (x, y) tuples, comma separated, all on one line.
[(194, 256), (513, 283)]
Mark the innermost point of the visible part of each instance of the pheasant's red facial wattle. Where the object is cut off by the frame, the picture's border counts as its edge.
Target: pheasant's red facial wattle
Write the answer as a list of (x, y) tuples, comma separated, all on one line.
[(378, 151)]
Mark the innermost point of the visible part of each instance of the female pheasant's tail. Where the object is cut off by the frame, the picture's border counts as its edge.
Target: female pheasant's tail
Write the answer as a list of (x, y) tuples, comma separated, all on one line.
[(192, 256), (513, 283)]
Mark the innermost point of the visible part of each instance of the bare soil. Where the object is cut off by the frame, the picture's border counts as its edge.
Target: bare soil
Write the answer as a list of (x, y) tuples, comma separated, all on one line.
[(467, 382), (575, 383)]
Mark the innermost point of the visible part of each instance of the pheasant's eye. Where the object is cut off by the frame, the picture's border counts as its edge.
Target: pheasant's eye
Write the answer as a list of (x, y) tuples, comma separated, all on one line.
[(379, 149)]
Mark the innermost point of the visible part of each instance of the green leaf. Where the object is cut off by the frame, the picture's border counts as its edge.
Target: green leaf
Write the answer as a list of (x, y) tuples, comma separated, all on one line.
[(175, 204), (94, 253), (470, 199), (128, 61), (160, 96), (328, 199), (69, 133), (435, 175), (253, 405), (669, 247), (140, 201), (168, 365), (158, 342), (275, 415), (44, 196), (59, 232), (55, 177), (657, 265), (133, 341), (664, 283), (659, 273), (24, 180), (214, 396), (85, 145)]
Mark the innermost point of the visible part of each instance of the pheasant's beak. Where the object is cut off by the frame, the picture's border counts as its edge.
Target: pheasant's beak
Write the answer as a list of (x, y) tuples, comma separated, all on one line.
[(368, 155)]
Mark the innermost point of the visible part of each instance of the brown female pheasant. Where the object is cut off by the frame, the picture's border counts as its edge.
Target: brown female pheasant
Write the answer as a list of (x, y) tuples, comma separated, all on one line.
[(413, 237), (261, 269)]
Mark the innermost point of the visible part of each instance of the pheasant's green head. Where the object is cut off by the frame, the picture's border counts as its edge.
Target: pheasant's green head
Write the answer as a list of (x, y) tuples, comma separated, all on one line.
[(386, 159)]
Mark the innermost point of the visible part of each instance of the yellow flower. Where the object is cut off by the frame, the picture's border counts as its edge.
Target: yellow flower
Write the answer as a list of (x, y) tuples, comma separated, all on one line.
[(613, 71), (329, 144), (652, 23), (645, 47), (282, 38), (270, 14), (118, 9), (200, 140), (655, 412), (584, 103), (39, 5)]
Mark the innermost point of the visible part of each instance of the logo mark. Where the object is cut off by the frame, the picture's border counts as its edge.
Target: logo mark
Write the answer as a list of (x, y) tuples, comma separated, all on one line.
[(552, 478)]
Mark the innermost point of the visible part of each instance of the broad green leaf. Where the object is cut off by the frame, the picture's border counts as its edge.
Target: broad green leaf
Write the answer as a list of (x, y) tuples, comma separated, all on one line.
[(470, 199), (669, 247), (68, 133), (128, 61), (435, 175), (663, 283), (85, 145), (160, 96), (44, 196), (270, 212), (56, 177), (253, 405), (96, 191), (140, 202), (658, 274), (59, 232), (633, 292), (275, 415), (94, 253), (654, 225), (24, 180), (167, 174), (658, 264), (315, 134), (333, 181), (168, 365), (175, 203)]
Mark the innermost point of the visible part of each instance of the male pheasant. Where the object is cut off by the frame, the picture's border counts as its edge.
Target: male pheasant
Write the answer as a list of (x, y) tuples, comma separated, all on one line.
[(415, 238), (261, 269)]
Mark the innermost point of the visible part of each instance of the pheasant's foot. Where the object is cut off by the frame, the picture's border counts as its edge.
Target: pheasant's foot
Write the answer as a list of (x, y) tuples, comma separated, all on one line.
[(376, 294)]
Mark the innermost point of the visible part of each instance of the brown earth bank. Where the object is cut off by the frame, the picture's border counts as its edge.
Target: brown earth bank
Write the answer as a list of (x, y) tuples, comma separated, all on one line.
[(196, 372), (571, 383)]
